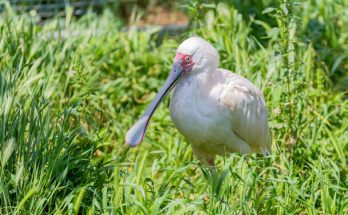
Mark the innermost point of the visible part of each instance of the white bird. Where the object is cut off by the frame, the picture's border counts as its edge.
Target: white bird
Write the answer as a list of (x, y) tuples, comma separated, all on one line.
[(218, 111)]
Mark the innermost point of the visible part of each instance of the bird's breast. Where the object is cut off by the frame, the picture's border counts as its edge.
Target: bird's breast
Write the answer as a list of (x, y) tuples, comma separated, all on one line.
[(195, 112)]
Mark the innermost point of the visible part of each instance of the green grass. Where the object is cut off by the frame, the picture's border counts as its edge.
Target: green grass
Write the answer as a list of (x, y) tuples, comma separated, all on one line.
[(66, 101)]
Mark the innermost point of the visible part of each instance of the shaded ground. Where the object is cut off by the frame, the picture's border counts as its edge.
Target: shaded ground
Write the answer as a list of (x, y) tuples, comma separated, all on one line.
[(163, 16)]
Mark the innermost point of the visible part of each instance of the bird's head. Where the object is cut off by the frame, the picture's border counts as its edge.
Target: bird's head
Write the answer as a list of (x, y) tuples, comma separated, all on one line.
[(196, 55), (193, 56)]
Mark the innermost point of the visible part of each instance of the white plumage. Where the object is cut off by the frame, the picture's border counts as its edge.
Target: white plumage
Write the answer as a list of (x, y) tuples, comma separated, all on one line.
[(218, 111)]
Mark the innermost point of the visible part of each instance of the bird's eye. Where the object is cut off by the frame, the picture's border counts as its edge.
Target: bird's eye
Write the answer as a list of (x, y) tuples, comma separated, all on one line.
[(188, 59)]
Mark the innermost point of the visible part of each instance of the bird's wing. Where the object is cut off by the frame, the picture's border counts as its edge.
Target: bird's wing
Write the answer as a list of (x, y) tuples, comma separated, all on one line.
[(248, 111)]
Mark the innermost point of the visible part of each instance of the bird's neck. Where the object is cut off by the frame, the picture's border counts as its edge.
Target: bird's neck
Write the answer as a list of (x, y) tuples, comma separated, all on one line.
[(203, 79)]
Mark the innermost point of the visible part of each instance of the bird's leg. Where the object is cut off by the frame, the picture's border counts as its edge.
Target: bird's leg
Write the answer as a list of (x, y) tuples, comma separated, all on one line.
[(211, 162), (206, 162), (204, 157)]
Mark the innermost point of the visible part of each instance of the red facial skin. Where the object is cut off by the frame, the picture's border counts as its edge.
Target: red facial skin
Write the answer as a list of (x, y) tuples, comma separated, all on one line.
[(187, 62)]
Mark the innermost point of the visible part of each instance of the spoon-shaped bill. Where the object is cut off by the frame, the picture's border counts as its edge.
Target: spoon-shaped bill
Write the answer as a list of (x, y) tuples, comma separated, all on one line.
[(137, 132)]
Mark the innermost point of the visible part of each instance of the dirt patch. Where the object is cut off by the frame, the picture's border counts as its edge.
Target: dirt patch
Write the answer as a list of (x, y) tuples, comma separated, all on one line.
[(162, 16)]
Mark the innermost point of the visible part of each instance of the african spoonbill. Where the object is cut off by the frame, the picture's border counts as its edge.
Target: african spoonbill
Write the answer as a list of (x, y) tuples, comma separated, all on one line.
[(218, 111)]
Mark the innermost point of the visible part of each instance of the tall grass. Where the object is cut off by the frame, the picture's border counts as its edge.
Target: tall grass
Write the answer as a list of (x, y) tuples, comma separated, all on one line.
[(69, 90)]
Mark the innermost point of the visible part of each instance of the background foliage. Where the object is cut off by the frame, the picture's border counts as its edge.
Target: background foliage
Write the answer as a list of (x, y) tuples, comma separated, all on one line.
[(69, 89)]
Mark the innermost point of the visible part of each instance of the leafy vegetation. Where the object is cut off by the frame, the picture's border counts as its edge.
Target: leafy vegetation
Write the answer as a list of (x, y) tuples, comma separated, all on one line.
[(69, 90)]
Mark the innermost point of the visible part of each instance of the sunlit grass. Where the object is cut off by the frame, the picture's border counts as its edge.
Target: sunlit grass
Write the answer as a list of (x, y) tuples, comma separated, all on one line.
[(67, 99)]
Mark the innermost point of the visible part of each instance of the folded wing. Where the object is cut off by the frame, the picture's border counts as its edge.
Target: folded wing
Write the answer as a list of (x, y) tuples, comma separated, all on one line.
[(249, 116)]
